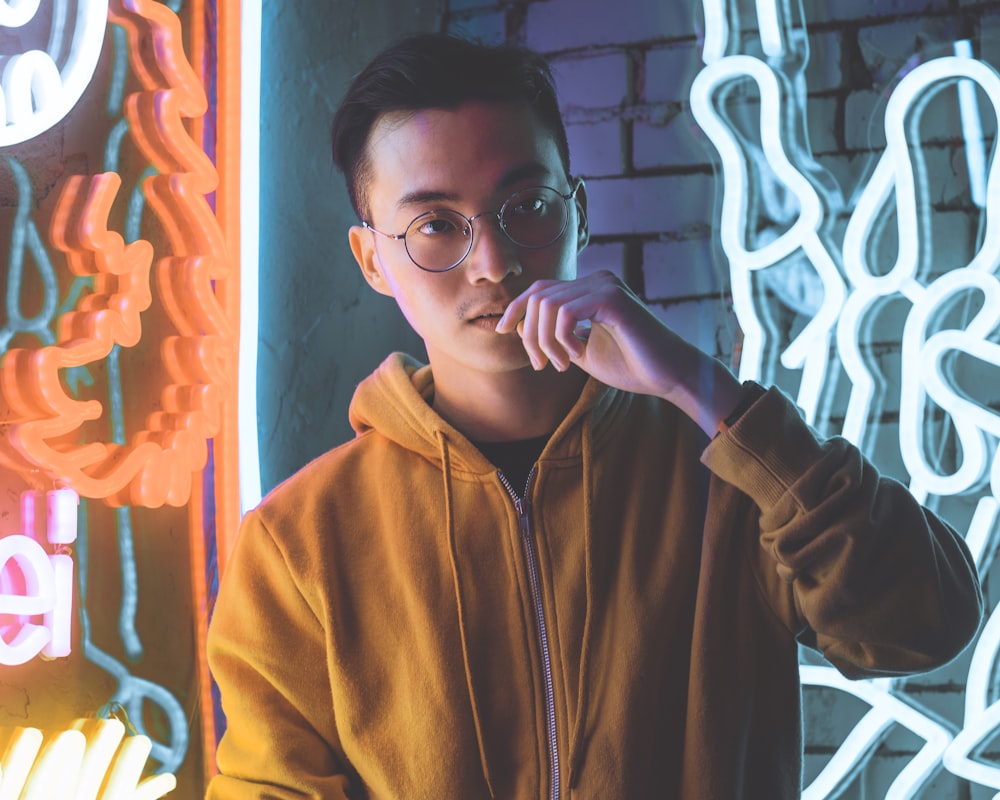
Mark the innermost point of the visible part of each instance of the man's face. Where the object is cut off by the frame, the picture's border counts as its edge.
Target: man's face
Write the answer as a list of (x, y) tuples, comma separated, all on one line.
[(469, 159)]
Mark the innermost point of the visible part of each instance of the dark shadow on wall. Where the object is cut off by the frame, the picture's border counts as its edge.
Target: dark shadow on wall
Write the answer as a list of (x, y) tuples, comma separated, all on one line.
[(322, 329)]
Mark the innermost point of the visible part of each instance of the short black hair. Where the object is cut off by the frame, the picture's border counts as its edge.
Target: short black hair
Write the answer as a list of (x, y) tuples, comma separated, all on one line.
[(436, 70)]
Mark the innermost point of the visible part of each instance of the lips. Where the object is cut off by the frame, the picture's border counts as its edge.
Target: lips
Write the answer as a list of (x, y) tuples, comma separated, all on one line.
[(491, 311), (486, 316)]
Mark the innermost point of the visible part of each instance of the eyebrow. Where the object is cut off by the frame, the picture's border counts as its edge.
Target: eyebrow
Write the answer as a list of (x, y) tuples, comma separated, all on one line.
[(531, 169)]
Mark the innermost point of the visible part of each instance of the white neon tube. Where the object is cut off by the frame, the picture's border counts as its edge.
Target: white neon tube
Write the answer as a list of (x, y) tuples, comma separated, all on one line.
[(36, 93), (972, 130), (249, 446)]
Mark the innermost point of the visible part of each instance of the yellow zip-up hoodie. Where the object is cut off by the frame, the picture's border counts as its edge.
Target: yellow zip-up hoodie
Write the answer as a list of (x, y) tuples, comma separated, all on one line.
[(396, 622)]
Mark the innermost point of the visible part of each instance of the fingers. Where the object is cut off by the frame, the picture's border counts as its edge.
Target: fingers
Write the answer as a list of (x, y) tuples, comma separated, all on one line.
[(545, 322), (553, 318), (537, 312)]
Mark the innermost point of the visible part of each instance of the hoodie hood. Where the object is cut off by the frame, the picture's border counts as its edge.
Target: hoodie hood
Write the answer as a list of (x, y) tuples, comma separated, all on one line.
[(395, 400)]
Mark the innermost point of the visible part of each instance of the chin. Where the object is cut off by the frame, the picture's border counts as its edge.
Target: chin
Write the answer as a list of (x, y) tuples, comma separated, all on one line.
[(500, 365), (495, 361)]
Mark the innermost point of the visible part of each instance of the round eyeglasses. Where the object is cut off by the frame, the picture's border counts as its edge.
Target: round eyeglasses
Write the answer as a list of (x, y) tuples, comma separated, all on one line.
[(437, 241)]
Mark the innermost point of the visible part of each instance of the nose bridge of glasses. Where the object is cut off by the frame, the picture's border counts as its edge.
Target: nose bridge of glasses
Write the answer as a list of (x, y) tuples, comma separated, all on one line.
[(494, 214), (496, 224)]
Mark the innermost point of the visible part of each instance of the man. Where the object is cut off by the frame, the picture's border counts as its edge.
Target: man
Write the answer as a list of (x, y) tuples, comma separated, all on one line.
[(573, 556)]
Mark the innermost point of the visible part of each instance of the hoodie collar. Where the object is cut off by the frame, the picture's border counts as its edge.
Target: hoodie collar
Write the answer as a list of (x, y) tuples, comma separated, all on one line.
[(395, 400)]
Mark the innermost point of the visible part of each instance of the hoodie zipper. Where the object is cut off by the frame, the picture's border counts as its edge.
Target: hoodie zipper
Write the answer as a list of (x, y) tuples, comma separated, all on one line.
[(521, 505)]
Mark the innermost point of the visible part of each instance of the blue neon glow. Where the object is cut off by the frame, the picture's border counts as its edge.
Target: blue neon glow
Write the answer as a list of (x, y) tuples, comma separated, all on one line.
[(132, 692), (24, 241)]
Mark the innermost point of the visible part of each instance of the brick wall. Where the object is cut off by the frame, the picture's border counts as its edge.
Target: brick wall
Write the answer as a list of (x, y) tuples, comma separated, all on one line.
[(624, 72)]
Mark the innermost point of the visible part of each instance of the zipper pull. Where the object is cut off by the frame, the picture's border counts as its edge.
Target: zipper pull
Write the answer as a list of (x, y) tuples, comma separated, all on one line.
[(521, 504)]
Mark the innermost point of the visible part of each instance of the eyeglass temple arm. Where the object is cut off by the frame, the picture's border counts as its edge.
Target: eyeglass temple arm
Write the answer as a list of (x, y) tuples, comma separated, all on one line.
[(396, 236)]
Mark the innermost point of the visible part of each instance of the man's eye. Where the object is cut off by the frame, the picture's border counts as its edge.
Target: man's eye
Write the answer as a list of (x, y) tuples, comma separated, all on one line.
[(530, 206), (436, 226)]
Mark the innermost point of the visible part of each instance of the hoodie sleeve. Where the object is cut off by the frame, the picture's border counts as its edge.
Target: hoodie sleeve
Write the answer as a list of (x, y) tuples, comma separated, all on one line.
[(266, 650), (881, 586)]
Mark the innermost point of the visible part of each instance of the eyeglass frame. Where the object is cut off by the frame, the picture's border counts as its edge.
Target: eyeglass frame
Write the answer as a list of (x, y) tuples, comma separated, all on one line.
[(472, 230)]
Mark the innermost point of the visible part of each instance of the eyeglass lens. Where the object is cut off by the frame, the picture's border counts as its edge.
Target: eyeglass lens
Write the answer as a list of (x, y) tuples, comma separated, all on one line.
[(439, 240)]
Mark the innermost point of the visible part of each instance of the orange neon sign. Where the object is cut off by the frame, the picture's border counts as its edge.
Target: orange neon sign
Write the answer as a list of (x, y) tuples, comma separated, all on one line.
[(157, 465), (185, 273)]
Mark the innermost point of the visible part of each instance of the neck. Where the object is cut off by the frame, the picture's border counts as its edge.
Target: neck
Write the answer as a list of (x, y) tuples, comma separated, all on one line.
[(508, 406)]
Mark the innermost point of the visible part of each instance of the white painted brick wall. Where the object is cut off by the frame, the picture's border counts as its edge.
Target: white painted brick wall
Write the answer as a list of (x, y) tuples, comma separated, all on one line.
[(682, 268), (591, 81), (851, 10), (648, 205), (486, 26), (596, 148), (669, 71), (568, 24), (824, 72), (675, 142), (596, 257)]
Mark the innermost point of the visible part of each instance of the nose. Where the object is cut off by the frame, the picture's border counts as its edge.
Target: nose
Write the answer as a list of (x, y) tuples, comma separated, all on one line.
[(493, 256)]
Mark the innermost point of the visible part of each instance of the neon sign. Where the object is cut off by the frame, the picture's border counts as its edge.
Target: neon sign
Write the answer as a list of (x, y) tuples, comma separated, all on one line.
[(39, 87), (36, 584), (93, 760), (157, 465), (951, 315), (187, 192)]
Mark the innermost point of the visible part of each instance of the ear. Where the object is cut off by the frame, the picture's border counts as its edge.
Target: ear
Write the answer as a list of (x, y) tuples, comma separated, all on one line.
[(582, 226), (363, 246)]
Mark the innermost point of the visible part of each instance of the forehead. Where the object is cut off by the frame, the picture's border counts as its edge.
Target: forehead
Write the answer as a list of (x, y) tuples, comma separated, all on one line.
[(464, 152)]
